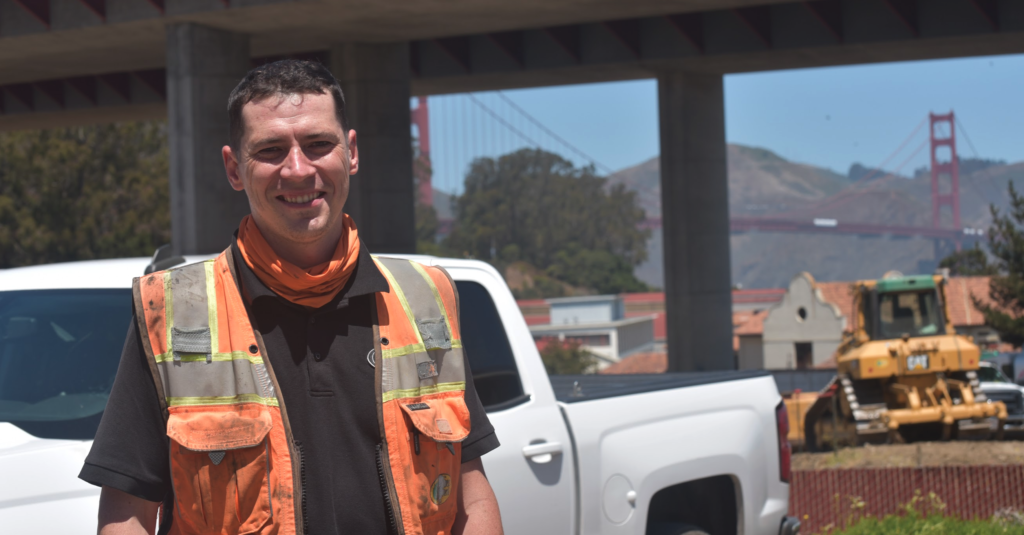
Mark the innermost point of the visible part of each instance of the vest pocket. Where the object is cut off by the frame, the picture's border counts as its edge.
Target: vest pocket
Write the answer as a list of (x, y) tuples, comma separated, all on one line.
[(220, 468), (437, 426)]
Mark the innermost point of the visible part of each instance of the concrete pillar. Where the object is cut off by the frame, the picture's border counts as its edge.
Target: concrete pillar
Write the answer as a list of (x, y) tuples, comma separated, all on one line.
[(695, 221), (375, 79), (203, 66)]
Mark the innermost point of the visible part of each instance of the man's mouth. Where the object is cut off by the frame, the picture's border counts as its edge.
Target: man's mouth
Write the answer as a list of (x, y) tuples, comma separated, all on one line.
[(302, 199)]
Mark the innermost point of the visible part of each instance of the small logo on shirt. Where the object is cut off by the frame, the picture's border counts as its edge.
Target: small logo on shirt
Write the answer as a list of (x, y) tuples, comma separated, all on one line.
[(441, 489)]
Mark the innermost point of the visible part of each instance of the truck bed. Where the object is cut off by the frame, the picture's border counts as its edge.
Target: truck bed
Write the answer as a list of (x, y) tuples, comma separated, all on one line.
[(575, 388)]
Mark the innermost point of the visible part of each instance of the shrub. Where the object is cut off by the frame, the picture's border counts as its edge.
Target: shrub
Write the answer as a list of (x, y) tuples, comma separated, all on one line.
[(925, 515)]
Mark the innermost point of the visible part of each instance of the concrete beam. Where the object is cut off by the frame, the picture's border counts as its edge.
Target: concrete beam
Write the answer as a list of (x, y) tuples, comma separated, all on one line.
[(748, 36), (695, 217), (203, 66), (375, 78)]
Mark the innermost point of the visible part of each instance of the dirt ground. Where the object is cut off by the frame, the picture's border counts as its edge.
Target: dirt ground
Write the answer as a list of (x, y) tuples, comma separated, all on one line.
[(913, 455)]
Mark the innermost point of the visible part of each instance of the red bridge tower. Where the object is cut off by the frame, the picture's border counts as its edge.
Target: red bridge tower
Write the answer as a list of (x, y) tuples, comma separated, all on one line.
[(421, 167), (943, 169)]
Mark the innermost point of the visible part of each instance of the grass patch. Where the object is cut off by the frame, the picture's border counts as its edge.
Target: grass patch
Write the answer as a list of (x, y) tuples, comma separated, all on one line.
[(931, 525), (925, 515)]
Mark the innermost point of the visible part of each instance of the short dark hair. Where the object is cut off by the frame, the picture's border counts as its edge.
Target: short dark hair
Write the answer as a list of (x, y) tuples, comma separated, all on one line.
[(284, 77)]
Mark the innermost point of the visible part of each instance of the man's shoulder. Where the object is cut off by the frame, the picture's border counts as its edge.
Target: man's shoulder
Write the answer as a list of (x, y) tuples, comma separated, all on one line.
[(196, 267), (421, 263)]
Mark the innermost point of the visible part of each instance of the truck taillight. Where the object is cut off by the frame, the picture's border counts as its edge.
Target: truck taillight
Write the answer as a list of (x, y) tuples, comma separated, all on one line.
[(785, 451)]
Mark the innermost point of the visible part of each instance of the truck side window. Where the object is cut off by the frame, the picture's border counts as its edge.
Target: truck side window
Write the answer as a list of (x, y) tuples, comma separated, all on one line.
[(495, 374)]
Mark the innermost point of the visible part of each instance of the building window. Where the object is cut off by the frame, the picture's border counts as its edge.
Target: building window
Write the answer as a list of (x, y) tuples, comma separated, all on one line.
[(592, 340)]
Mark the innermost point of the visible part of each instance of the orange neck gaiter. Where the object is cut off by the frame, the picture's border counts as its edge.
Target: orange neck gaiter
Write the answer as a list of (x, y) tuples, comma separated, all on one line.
[(313, 287)]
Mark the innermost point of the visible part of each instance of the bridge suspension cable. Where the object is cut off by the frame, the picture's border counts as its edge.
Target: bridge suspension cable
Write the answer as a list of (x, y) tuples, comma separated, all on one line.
[(474, 125)]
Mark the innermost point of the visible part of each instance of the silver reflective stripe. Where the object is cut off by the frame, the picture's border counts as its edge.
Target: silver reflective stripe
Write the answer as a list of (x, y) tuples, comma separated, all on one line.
[(216, 379), (403, 373), (263, 380), (190, 321), (430, 319)]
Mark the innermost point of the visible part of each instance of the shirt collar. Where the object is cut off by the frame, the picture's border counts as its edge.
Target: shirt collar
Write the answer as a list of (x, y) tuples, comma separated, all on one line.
[(365, 279)]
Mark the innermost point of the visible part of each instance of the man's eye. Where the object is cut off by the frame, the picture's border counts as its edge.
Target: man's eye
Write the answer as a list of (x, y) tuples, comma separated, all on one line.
[(321, 144), (269, 151)]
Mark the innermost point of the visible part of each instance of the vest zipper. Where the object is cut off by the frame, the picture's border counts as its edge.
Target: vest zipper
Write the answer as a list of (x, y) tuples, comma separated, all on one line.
[(302, 483), (384, 488)]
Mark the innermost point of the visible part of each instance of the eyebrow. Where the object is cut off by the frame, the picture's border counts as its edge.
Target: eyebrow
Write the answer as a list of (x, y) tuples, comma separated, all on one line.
[(315, 135), (267, 141), (322, 135)]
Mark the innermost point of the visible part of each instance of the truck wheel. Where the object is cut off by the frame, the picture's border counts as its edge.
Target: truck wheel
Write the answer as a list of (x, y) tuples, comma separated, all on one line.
[(676, 529)]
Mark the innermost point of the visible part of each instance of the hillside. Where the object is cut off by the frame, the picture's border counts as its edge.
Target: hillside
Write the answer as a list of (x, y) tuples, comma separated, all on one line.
[(762, 183)]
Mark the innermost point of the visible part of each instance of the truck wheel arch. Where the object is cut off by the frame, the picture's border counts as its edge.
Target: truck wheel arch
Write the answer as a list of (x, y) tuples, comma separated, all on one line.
[(709, 505)]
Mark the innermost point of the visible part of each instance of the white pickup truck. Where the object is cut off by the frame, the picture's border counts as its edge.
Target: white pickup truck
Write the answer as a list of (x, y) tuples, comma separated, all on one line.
[(666, 454)]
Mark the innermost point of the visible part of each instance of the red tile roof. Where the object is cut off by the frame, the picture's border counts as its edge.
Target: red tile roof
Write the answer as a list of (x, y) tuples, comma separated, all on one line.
[(751, 323), (537, 319), (639, 363), (961, 307), (644, 297), (767, 295)]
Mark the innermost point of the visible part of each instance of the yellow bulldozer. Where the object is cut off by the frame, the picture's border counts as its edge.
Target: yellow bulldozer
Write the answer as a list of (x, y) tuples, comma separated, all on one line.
[(903, 374)]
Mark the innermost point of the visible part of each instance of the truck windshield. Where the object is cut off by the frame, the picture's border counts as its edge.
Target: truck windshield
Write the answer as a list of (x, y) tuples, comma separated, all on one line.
[(910, 313), (59, 351), (991, 375)]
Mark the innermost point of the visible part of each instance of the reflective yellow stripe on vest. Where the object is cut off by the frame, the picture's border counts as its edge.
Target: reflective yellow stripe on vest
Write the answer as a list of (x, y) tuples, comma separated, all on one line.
[(193, 371), (407, 370)]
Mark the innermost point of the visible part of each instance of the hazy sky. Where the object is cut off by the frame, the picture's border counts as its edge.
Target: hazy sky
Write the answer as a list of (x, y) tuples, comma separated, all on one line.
[(832, 117)]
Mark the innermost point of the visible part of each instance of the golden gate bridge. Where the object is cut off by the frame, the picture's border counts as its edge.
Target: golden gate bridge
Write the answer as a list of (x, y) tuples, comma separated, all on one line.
[(491, 124)]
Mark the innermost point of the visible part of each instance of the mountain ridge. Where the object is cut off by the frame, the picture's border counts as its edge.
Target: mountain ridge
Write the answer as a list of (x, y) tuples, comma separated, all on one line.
[(762, 183)]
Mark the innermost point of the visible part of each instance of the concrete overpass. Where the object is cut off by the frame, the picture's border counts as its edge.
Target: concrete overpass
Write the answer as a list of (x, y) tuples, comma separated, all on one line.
[(68, 62)]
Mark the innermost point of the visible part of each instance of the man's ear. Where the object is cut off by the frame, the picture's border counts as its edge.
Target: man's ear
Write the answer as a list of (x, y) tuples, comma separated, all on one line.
[(231, 168), (353, 153)]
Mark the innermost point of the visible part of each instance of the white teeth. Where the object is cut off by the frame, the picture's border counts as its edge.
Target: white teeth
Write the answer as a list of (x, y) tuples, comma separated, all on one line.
[(302, 199)]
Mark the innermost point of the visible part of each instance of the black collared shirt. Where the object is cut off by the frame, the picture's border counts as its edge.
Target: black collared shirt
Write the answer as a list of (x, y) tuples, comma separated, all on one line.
[(322, 364)]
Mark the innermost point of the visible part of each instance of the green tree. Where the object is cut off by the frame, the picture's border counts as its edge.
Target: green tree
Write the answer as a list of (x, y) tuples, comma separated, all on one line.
[(1006, 241), (968, 263), (84, 192), (566, 358), (535, 206), (426, 215), (597, 269)]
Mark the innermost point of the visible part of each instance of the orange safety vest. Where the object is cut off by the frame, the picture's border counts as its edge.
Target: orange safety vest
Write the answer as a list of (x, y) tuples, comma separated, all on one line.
[(235, 468)]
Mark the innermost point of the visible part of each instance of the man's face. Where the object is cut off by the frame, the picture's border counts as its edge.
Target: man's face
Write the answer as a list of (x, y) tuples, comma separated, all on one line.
[(294, 162)]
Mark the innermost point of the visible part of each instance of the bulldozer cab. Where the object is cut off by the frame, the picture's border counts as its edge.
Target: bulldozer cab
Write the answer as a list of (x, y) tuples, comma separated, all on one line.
[(901, 307)]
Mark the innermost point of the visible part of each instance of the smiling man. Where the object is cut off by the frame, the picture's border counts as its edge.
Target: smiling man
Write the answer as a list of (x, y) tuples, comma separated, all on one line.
[(294, 384)]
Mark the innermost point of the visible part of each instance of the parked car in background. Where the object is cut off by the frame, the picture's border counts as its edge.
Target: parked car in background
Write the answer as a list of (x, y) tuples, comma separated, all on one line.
[(661, 454), (998, 387), (1011, 364)]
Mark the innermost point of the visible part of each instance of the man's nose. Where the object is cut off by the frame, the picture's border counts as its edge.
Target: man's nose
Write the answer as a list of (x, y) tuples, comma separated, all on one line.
[(297, 165)]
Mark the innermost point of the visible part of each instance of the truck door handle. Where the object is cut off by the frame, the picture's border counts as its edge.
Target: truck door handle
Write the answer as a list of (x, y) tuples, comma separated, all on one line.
[(543, 452)]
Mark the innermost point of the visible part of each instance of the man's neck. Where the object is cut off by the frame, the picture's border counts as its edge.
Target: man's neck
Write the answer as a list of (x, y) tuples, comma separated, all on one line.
[(305, 254)]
